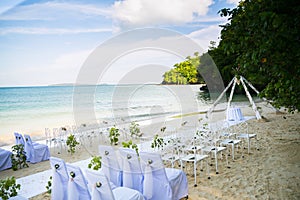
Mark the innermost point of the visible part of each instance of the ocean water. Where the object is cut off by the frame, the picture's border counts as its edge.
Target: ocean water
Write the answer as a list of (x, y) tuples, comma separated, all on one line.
[(32, 109)]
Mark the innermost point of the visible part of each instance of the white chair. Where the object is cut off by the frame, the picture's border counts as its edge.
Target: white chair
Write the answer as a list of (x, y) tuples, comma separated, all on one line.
[(19, 139), (35, 152), (209, 140), (192, 154), (110, 164), (161, 183), (77, 185), (5, 159), (60, 179), (242, 132), (228, 138), (132, 172), (101, 188)]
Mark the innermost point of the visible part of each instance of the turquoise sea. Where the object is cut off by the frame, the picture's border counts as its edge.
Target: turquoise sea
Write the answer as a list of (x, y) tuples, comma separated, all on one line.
[(32, 109)]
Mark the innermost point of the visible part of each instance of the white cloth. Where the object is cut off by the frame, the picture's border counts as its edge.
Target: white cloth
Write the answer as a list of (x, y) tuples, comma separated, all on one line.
[(5, 159), (234, 114), (60, 179)]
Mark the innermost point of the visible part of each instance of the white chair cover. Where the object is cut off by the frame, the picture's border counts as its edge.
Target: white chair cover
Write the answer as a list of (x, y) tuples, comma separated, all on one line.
[(99, 185), (77, 185), (132, 172), (156, 184), (60, 179), (36, 152), (234, 114), (5, 159), (19, 138), (101, 188), (110, 165)]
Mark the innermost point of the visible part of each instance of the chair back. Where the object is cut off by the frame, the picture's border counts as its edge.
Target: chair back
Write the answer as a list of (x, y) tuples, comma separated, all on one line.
[(156, 184), (28, 147), (241, 128), (99, 185), (19, 138), (77, 185), (132, 172), (110, 164), (60, 179)]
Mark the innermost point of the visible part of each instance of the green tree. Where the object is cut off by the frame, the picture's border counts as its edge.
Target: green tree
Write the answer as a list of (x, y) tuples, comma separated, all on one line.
[(184, 72), (261, 41)]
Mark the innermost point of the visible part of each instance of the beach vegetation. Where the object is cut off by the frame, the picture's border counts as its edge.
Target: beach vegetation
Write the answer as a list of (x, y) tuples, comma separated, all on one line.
[(114, 135), (134, 129), (131, 145), (184, 72), (9, 188), (18, 157), (157, 143), (95, 163), (72, 143), (261, 43), (49, 185)]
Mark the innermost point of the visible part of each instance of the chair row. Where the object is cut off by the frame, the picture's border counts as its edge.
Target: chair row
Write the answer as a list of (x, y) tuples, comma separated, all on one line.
[(69, 182), (144, 172), (35, 152)]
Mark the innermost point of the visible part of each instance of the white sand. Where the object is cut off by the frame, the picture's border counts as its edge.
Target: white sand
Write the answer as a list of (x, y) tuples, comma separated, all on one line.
[(270, 173)]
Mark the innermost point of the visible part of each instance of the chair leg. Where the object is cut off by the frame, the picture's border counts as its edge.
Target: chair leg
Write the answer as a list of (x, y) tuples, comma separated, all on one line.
[(195, 172), (216, 160), (207, 166)]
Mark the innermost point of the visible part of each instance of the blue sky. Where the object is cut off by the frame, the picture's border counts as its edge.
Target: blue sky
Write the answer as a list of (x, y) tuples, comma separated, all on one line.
[(46, 42)]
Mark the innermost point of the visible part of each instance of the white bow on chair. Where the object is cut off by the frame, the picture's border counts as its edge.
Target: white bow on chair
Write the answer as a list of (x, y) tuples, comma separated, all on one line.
[(148, 181), (127, 178)]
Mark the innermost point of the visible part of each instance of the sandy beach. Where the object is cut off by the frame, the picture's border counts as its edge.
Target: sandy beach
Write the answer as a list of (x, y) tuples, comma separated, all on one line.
[(272, 172)]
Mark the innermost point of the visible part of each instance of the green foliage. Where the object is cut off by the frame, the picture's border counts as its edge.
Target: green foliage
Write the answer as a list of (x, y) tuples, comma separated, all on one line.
[(158, 142), (71, 143), (261, 42), (49, 185), (95, 163), (134, 129), (184, 72), (114, 135), (131, 145), (18, 157), (8, 188)]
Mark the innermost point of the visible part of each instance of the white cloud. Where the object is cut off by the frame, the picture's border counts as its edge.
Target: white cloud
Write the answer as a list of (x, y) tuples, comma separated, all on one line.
[(133, 13), (53, 11), (43, 31), (205, 35), (235, 2)]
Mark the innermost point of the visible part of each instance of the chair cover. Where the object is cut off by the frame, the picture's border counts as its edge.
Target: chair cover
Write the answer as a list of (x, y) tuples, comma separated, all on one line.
[(101, 188), (99, 191), (36, 152), (19, 138), (132, 172), (77, 185), (110, 165), (5, 159), (234, 114), (161, 183), (60, 179)]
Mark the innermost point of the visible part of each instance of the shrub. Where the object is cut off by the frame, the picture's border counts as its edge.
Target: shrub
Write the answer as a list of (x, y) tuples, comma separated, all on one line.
[(131, 145), (18, 157), (95, 163), (8, 188), (114, 135), (71, 143)]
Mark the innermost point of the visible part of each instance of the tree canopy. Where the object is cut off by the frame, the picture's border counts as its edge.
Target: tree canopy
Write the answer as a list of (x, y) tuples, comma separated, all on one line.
[(261, 41), (184, 72)]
